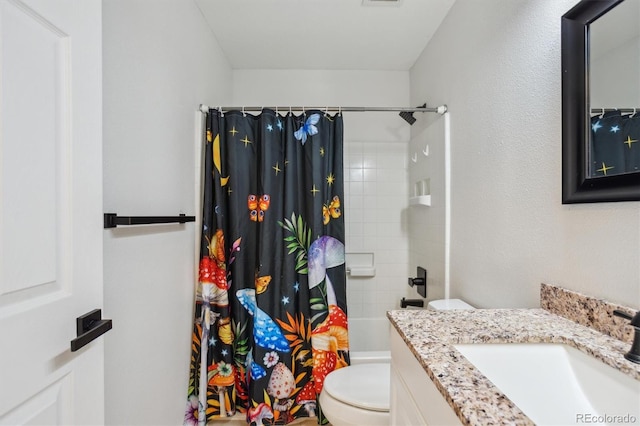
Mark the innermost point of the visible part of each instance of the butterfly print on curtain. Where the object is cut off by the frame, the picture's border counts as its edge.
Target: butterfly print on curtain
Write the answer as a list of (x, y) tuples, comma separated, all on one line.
[(270, 311)]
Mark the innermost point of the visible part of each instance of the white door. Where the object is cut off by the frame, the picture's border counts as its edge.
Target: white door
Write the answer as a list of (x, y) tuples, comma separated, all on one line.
[(50, 210)]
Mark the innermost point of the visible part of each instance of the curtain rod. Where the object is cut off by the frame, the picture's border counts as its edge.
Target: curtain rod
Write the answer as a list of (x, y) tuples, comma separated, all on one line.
[(440, 109), (622, 110)]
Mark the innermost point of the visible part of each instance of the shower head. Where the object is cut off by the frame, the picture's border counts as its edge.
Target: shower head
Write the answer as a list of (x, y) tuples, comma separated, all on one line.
[(408, 116)]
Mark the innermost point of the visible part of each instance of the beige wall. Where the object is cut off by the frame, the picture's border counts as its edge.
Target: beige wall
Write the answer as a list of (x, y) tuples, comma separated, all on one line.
[(497, 66), (496, 63), (427, 224), (160, 62)]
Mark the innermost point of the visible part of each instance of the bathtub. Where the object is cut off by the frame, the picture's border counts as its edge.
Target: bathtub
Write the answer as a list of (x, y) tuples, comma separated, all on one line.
[(369, 340)]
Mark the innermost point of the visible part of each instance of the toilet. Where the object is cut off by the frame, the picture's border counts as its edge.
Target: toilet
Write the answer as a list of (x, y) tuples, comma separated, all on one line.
[(360, 394), (357, 395)]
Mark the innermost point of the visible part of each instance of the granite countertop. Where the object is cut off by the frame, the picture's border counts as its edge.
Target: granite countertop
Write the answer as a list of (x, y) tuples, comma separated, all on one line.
[(430, 335)]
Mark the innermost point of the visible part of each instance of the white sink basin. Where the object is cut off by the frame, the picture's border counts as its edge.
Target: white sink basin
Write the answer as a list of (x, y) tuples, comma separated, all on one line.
[(556, 384)]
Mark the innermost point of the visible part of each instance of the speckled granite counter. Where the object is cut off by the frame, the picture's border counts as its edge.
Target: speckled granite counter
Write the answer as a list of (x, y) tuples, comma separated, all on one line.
[(476, 401)]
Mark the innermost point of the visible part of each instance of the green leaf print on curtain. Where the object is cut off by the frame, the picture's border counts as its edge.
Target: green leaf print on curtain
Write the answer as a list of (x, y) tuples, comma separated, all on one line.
[(270, 310)]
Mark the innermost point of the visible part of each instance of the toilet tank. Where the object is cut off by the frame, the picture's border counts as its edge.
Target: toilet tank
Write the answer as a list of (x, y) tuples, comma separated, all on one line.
[(448, 304)]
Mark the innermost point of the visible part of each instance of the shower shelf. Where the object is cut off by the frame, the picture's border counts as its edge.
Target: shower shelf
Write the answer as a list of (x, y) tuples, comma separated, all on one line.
[(420, 200)]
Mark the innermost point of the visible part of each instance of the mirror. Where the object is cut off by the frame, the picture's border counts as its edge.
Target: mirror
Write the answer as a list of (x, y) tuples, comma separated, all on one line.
[(593, 171)]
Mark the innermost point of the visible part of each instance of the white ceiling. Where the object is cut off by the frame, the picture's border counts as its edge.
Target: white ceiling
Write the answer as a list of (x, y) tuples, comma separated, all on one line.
[(615, 28), (323, 34)]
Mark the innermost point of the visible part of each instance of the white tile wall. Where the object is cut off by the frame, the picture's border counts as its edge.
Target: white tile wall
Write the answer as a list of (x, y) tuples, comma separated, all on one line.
[(375, 205)]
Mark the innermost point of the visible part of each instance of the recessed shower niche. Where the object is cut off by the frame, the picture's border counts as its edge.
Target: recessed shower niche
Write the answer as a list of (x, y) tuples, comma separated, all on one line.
[(421, 194)]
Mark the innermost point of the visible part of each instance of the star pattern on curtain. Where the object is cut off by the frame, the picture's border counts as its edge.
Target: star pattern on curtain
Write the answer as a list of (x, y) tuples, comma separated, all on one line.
[(270, 307), (614, 147)]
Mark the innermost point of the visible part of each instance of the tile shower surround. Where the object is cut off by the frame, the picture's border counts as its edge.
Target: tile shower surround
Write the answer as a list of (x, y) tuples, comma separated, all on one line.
[(376, 197)]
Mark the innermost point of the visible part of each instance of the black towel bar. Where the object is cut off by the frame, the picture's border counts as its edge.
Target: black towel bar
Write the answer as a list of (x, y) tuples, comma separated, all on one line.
[(111, 220)]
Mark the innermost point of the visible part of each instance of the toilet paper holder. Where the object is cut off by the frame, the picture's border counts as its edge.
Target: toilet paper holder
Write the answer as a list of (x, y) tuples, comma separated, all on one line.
[(420, 282)]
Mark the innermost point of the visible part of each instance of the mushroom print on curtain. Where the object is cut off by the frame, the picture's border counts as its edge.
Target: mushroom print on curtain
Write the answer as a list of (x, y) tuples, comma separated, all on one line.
[(270, 310)]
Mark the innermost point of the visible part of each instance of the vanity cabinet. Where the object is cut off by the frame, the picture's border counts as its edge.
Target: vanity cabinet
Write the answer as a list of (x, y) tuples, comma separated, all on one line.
[(415, 400)]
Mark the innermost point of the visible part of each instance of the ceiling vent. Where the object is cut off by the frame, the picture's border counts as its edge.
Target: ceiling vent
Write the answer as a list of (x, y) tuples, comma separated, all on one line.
[(381, 2)]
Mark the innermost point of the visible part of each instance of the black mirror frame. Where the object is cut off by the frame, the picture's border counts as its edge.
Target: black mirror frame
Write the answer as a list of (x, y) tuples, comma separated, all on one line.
[(577, 186)]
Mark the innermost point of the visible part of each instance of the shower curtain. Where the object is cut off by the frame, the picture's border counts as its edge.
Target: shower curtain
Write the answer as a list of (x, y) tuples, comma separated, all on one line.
[(270, 311), (615, 145)]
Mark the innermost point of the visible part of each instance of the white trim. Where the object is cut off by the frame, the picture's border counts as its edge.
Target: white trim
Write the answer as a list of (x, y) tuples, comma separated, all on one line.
[(447, 205)]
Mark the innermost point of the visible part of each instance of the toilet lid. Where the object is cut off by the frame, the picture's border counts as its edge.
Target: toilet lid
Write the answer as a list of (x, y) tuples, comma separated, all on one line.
[(364, 386)]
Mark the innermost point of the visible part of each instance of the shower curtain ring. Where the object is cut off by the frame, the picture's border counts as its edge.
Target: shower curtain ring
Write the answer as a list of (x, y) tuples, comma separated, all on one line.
[(326, 111), (243, 113), (290, 111), (340, 111), (634, 113), (602, 114), (276, 110), (220, 111)]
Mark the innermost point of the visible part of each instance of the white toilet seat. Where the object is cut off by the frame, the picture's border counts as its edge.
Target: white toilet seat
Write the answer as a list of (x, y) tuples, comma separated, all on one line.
[(357, 395), (363, 386)]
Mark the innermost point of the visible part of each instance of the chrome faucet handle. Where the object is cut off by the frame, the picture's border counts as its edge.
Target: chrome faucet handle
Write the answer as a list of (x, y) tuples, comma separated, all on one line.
[(634, 353)]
